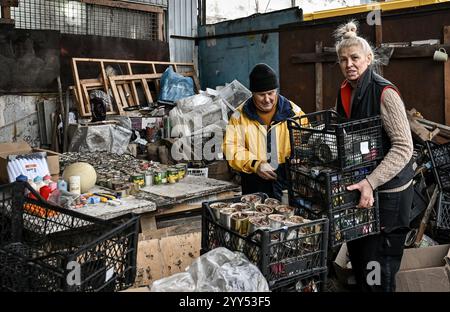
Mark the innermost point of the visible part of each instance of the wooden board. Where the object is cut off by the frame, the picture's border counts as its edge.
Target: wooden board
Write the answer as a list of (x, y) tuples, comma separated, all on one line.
[(447, 78), (190, 187), (158, 258)]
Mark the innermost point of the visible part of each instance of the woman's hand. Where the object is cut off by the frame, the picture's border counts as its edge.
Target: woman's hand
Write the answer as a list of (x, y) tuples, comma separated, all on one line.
[(364, 187)]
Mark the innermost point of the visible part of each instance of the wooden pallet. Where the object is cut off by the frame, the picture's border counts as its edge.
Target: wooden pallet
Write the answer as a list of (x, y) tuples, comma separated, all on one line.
[(124, 88)]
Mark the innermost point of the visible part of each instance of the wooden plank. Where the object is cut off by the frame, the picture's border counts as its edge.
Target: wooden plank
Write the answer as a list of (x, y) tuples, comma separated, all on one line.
[(126, 5), (147, 92), (447, 78), (161, 26), (399, 53), (104, 77), (319, 78), (116, 96), (86, 100), (133, 85), (135, 77), (158, 258), (128, 96), (123, 99), (78, 90)]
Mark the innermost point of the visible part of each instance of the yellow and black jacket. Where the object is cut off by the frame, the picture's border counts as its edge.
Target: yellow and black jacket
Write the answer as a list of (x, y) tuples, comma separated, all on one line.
[(248, 142)]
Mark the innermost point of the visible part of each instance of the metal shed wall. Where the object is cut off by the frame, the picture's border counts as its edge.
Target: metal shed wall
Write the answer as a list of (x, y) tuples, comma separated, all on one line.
[(241, 44), (182, 22)]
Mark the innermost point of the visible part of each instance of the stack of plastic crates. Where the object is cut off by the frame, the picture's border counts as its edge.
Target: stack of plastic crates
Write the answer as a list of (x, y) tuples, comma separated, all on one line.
[(285, 255), (440, 159), (49, 248), (328, 155)]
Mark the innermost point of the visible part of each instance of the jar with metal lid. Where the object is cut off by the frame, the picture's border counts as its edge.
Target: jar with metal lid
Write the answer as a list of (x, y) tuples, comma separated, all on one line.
[(172, 175), (181, 170)]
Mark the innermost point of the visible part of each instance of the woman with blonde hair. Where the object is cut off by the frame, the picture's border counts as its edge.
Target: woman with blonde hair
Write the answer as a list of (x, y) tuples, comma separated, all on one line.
[(364, 94)]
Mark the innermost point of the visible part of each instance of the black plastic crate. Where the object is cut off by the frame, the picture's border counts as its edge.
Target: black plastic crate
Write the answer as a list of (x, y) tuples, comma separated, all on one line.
[(324, 138), (443, 215), (313, 282), (48, 248), (440, 159), (281, 254), (320, 192), (317, 188)]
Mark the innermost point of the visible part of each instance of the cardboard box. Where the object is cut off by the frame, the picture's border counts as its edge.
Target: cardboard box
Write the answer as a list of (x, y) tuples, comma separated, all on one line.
[(20, 148), (424, 270), (342, 267)]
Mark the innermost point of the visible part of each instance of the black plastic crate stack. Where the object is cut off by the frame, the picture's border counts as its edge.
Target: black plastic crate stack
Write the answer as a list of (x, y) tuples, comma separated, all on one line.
[(49, 248), (328, 155), (440, 159), (283, 255)]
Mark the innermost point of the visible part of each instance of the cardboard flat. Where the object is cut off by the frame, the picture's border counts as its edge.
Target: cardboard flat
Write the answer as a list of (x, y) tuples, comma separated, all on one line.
[(424, 270), (21, 148)]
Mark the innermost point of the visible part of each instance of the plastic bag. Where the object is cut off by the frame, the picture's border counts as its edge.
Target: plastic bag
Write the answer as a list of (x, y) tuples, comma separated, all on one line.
[(175, 86), (108, 138), (100, 104), (219, 270)]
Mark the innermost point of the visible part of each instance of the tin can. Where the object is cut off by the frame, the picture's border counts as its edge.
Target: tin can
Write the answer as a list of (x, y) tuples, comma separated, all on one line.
[(181, 170), (149, 177), (172, 175), (160, 177), (138, 179), (163, 176)]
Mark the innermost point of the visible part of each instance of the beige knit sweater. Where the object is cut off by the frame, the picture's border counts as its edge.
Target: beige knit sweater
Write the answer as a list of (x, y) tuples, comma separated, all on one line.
[(396, 125)]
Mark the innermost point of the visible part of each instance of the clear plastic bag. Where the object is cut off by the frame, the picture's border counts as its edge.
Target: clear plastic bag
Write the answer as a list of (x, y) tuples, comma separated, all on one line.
[(219, 270)]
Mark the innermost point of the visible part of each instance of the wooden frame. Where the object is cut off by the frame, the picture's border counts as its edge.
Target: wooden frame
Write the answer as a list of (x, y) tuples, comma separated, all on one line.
[(126, 5), (123, 87)]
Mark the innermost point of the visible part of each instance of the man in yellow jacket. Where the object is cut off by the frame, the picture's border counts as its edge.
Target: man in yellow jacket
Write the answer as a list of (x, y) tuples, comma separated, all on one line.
[(257, 138)]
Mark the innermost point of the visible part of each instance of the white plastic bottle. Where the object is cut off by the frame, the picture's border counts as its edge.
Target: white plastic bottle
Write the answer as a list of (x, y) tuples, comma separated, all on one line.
[(75, 185)]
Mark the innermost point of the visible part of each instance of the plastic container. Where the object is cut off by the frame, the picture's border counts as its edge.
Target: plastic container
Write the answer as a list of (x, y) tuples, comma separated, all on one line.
[(319, 192), (326, 139), (443, 215), (75, 184), (309, 283), (440, 159), (281, 254), (43, 251)]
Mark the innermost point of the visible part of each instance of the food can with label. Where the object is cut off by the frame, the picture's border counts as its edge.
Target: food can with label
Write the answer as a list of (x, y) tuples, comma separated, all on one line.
[(149, 177), (138, 179)]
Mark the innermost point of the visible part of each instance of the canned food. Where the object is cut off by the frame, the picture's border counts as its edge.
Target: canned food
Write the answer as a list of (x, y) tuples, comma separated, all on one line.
[(138, 179), (157, 177), (172, 175), (181, 170), (160, 177)]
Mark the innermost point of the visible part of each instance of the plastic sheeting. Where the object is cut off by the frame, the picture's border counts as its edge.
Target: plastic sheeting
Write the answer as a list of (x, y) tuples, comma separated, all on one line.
[(219, 270), (108, 138)]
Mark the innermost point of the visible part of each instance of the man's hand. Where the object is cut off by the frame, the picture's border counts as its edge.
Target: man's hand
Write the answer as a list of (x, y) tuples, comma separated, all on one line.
[(366, 200), (266, 172)]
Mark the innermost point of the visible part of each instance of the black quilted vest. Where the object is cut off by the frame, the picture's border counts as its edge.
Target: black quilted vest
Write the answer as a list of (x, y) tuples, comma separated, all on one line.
[(366, 103)]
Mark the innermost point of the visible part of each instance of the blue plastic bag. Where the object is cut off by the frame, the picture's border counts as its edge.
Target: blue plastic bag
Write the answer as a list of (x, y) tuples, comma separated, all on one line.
[(175, 86)]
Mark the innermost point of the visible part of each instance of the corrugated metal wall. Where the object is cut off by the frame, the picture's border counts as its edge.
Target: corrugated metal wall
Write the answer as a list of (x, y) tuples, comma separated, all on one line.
[(182, 22), (419, 79), (221, 60)]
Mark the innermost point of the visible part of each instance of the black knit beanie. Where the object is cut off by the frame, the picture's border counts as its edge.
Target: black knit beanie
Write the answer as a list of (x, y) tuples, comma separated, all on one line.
[(263, 78)]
